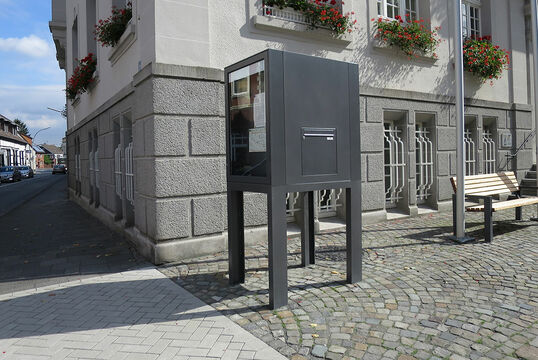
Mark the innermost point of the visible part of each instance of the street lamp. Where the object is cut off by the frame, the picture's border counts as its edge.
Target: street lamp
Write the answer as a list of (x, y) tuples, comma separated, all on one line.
[(38, 131)]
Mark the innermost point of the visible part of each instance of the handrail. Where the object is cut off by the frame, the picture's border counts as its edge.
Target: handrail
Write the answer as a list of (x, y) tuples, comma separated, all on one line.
[(513, 155)]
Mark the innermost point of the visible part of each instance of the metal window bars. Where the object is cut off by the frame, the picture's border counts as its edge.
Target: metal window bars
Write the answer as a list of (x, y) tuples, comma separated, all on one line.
[(96, 168), (117, 171), (424, 158), (470, 153), (394, 163), (489, 152), (291, 205), (129, 176), (327, 201), (91, 160), (77, 167), (289, 14)]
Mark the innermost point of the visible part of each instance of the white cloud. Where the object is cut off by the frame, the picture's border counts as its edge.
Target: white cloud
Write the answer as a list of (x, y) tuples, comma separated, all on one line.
[(31, 45), (29, 103)]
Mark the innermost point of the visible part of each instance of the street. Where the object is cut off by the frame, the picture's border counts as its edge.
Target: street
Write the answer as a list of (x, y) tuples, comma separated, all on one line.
[(46, 239)]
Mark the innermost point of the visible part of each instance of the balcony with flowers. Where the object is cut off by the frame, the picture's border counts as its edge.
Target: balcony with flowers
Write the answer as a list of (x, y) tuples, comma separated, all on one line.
[(322, 19)]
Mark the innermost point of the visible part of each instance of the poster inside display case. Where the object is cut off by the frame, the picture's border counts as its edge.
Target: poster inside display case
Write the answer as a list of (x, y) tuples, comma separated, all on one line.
[(247, 116)]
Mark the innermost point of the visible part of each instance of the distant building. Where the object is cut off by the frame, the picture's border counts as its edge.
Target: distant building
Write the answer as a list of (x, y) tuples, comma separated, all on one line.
[(30, 153), (40, 157), (12, 145), (55, 153)]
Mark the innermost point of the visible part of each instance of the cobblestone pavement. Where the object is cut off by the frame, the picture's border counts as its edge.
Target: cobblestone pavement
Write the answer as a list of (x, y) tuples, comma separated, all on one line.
[(423, 296), (137, 314)]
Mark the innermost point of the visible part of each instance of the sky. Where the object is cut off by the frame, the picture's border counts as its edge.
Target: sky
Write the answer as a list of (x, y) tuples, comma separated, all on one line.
[(30, 78)]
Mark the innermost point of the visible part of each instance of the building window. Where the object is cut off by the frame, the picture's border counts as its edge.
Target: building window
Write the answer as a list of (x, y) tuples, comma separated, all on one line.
[(407, 9), (395, 166), (470, 19), (74, 42)]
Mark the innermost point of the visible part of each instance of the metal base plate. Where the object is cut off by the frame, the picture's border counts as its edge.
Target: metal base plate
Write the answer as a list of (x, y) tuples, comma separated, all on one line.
[(461, 240), (533, 219)]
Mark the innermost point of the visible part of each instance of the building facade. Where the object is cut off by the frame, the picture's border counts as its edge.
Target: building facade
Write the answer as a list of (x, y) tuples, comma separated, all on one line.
[(12, 146), (146, 143)]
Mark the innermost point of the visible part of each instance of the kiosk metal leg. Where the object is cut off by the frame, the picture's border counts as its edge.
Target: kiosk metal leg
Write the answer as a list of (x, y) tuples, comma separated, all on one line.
[(354, 233), (236, 237), (278, 261), (307, 230)]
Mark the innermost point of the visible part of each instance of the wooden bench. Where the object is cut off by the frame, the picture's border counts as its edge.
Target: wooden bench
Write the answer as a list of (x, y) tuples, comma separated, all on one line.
[(485, 187)]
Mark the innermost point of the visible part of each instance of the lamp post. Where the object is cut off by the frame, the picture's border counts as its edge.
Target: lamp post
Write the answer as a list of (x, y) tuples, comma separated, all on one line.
[(38, 131), (534, 14), (459, 203)]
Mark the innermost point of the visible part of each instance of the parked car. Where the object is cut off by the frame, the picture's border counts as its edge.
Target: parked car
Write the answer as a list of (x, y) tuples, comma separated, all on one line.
[(9, 173), (59, 169), (26, 172)]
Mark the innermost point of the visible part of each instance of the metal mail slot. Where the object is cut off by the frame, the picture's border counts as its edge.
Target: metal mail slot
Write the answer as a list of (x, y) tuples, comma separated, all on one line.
[(318, 151)]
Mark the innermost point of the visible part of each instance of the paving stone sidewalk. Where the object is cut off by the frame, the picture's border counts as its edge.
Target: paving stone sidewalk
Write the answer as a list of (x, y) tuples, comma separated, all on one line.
[(137, 314), (423, 296)]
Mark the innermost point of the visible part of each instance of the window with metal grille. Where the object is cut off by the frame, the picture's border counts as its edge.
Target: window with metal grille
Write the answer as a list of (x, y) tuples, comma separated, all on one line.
[(489, 152), (91, 160), (291, 205), (117, 171), (327, 202), (424, 159), (470, 153), (96, 167), (129, 176), (394, 151), (407, 9), (470, 18)]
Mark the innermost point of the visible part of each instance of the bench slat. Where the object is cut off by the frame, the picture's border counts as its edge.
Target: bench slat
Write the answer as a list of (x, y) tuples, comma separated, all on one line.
[(503, 205), (489, 184)]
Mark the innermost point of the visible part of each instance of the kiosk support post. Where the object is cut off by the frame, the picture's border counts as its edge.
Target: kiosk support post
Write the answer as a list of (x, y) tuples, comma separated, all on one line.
[(353, 233), (278, 254), (307, 230), (236, 237)]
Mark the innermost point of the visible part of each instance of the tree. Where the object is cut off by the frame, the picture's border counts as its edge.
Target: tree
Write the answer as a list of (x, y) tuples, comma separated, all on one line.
[(21, 127)]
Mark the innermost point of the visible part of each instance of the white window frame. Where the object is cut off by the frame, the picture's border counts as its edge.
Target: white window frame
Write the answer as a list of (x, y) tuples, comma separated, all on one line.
[(403, 8), (466, 6)]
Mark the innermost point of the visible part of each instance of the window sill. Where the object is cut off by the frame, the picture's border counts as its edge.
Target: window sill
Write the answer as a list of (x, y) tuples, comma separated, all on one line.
[(383, 48), (289, 27), (126, 40), (75, 101)]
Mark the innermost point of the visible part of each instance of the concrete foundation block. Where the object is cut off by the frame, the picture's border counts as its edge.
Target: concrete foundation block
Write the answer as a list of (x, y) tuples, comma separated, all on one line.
[(444, 189), (191, 176), (208, 136), (181, 96), (443, 165), (376, 167), (168, 218), (209, 215), (166, 136), (144, 176), (373, 196), (255, 209), (372, 137), (364, 167), (446, 138)]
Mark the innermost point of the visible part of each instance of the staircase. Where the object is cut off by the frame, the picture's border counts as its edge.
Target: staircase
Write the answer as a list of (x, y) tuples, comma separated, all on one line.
[(528, 184)]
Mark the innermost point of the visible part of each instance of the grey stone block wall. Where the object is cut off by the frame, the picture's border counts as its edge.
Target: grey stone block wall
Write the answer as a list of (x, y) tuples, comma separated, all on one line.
[(177, 125)]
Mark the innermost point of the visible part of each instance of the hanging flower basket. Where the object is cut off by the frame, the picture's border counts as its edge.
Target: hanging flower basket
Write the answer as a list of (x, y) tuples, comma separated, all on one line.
[(483, 59), (108, 31), (318, 13), (82, 77), (412, 37)]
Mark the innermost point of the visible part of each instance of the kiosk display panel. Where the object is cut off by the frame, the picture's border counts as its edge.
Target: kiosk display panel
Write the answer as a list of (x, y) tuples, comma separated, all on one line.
[(247, 113)]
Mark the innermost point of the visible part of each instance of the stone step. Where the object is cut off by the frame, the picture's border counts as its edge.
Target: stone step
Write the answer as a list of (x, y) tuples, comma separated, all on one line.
[(530, 174), (533, 168), (530, 183)]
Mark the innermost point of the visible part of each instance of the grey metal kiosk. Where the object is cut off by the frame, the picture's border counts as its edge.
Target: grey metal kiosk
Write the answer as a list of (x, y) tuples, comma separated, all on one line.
[(292, 125)]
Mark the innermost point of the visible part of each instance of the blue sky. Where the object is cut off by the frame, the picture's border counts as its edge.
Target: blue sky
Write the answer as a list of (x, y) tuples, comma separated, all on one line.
[(30, 79)]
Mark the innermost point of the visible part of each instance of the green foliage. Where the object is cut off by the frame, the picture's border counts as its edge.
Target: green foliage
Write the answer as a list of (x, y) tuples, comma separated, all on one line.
[(82, 77), (483, 59), (108, 31), (319, 13), (47, 159), (412, 37), (21, 127)]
